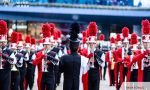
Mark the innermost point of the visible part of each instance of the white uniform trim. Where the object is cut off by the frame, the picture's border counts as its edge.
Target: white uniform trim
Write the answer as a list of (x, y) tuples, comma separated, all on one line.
[(83, 70)]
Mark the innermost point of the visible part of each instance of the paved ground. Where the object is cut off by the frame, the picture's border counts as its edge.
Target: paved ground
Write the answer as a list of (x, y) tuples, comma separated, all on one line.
[(104, 84)]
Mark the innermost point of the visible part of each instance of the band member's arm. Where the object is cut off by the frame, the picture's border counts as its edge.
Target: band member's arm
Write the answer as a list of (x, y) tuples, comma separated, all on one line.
[(39, 57), (140, 56), (107, 57)]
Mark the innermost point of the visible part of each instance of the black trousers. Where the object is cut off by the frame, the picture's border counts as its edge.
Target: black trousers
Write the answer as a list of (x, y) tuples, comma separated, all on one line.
[(112, 77), (48, 81), (134, 75), (56, 76), (15, 80), (5, 79), (146, 74), (93, 79), (125, 71), (30, 77), (22, 71)]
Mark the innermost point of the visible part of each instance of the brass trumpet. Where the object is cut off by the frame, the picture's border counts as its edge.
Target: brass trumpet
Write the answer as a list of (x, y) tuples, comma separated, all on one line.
[(45, 61)]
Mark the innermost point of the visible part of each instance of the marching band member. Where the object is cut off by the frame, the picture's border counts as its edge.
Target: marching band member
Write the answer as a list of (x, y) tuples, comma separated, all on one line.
[(25, 55), (110, 58), (6, 60), (15, 75), (30, 67), (73, 65), (130, 60), (143, 58), (96, 58), (48, 60)]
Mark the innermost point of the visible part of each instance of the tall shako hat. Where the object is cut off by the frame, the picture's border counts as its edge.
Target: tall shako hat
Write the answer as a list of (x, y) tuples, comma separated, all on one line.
[(3, 31), (145, 31), (112, 42), (59, 36), (92, 32), (52, 32), (125, 34), (134, 41), (20, 40), (28, 41), (119, 40), (33, 43), (74, 41), (46, 33), (14, 40)]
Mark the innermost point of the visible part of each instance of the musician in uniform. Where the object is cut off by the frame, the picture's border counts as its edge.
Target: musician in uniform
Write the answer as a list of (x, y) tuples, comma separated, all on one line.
[(96, 58), (71, 64), (5, 59), (25, 55), (15, 75), (30, 67), (48, 60), (110, 58)]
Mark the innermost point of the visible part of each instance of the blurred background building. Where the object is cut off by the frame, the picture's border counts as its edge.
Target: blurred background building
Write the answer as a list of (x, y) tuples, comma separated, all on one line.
[(27, 16)]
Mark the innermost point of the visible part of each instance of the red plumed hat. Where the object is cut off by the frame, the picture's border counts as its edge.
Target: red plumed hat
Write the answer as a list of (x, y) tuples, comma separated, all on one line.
[(92, 29), (14, 37), (84, 39), (112, 40), (33, 41), (52, 28), (84, 34), (46, 30), (20, 36), (40, 41), (101, 37), (28, 39), (134, 39), (59, 33), (3, 28), (145, 31), (125, 32), (118, 37), (14, 40), (56, 35), (145, 27)]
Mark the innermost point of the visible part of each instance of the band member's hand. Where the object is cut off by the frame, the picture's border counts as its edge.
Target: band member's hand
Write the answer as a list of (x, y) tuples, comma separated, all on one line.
[(90, 55)]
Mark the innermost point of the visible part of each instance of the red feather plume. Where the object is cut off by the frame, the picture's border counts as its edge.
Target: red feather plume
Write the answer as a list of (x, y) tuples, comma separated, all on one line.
[(92, 29), (145, 27), (118, 37), (20, 37), (33, 41), (112, 40), (125, 32), (56, 35), (84, 34), (40, 41), (102, 37), (59, 33), (14, 37), (84, 40), (3, 27), (134, 39), (28, 39), (52, 28), (46, 30)]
